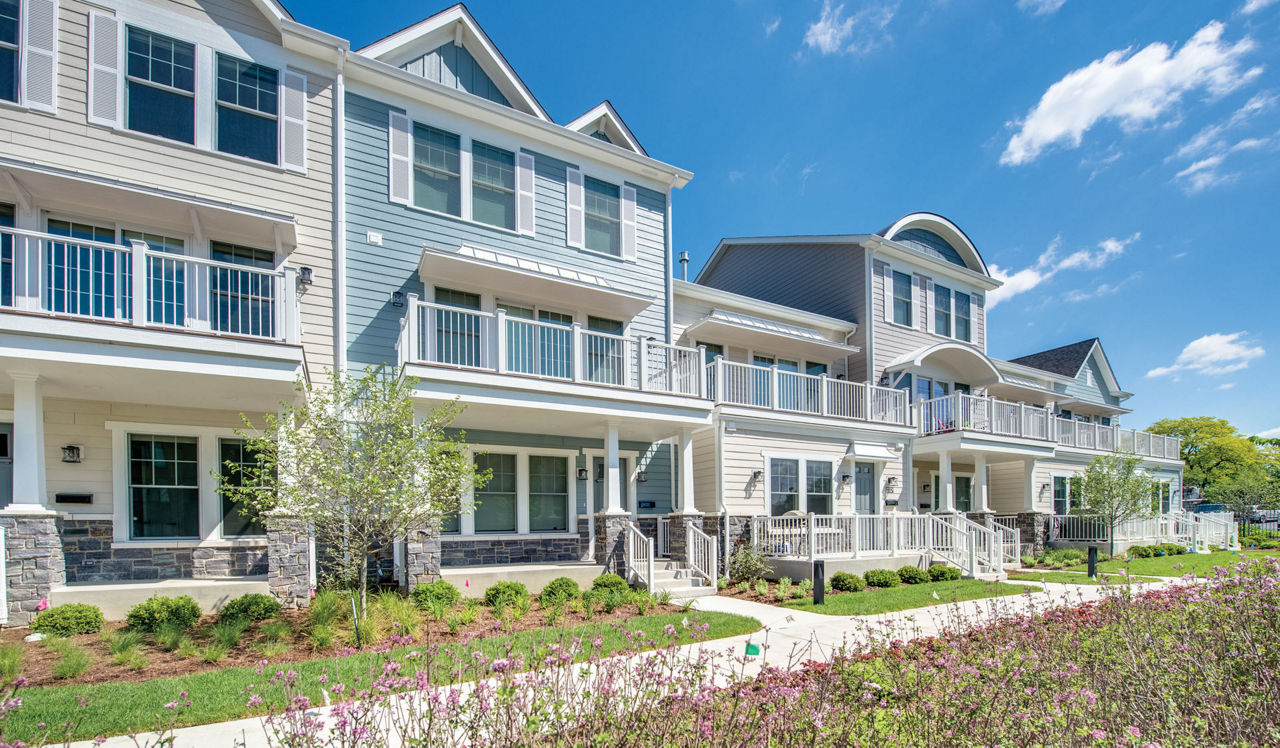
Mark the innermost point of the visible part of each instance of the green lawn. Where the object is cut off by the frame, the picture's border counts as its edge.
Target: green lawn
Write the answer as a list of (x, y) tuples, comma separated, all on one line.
[(873, 600), (218, 695), (1187, 563), (1071, 577)]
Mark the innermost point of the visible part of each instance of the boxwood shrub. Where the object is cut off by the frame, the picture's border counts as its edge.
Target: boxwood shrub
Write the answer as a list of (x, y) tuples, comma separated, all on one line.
[(913, 575), (505, 593), (610, 582), (843, 581), (881, 578), (71, 619), (558, 590), (438, 592), (943, 573), (254, 606), (154, 612)]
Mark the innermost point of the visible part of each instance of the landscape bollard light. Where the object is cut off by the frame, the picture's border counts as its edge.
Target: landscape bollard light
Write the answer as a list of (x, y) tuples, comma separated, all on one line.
[(1093, 562), (819, 582)]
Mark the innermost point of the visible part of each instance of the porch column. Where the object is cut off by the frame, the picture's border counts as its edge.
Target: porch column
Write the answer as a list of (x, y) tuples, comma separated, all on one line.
[(907, 495), (611, 524), (1029, 486), (980, 483), (684, 491), (28, 445), (946, 495), (613, 472)]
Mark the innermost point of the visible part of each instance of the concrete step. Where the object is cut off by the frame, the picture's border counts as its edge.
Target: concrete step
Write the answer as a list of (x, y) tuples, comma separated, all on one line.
[(667, 574), (686, 583), (684, 593)]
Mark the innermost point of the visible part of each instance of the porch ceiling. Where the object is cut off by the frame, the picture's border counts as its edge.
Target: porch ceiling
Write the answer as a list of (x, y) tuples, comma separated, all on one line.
[(779, 339), (997, 448)]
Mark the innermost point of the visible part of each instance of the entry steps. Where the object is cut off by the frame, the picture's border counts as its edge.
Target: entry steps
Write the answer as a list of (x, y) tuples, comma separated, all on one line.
[(679, 580)]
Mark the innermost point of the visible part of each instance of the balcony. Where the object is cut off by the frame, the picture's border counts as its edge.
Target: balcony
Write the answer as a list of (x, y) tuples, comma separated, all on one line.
[(1081, 435), (88, 281), (792, 392)]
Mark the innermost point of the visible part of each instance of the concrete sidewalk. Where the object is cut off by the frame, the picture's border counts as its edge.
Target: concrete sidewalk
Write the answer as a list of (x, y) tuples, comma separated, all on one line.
[(788, 638)]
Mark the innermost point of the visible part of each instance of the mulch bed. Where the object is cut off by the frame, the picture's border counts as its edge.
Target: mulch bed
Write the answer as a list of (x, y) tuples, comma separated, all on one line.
[(770, 599), (38, 662)]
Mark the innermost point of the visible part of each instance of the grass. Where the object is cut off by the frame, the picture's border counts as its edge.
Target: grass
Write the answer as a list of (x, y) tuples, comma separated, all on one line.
[(11, 656), (218, 695), (73, 659), (871, 601), (1073, 577), (1199, 564)]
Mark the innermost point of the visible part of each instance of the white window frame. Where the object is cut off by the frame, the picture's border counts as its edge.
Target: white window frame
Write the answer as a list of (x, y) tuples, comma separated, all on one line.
[(1066, 476), (890, 299), (277, 118), (467, 519), (208, 500), (804, 458)]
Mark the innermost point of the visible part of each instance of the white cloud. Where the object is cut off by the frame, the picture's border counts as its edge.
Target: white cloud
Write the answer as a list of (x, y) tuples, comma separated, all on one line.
[(1215, 354), (1210, 147), (1103, 289), (1047, 265), (1253, 6), (1204, 174), (772, 26), (1131, 89), (1045, 7), (1269, 433), (804, 175), (1226, 385), (860, 33), (735, 175)]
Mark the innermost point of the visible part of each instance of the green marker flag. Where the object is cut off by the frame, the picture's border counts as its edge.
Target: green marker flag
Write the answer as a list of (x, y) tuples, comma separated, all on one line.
[(753, 649)]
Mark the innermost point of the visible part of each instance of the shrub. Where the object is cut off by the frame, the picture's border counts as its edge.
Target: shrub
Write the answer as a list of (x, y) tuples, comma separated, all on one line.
[(881, 578), (154, 612), (506, 593), (437, 594), (913, 575), (606, 582), (943, 573), (227, 633), (783, 590), (843, 581), (74, 661), (558, 590), (254, 606), (71, 619), (762, 588), (746, 564)]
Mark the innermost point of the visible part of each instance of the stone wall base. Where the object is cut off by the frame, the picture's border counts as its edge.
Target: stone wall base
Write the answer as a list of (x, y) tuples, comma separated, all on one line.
[(1033, 531), (289, 562), (611, 548), (33, 563)]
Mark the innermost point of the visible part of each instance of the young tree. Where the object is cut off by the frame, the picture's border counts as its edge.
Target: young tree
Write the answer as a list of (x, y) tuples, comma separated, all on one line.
[(1114, 489), (355, 461)]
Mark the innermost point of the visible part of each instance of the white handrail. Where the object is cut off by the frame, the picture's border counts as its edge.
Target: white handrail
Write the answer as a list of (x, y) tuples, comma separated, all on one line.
[(639, 556), (769, 387), (703, 554)]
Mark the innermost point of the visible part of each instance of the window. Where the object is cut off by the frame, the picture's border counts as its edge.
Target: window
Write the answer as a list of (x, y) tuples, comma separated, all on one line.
[(1061, 495), (818, 488), (160, 86), (166, 278), (81, 279), (548, 494), (602, 216), (784, 486), (242, 301), (711, 350), (496, 500), (437, 170), (9, 31), (163, 492), (814, 369), (555, 344), (493, 186), (235, 524), (964, 319), (457, 333), (902, 298), (942, 310), (247, 109), (927, 389), (606, 356), (6, 254)]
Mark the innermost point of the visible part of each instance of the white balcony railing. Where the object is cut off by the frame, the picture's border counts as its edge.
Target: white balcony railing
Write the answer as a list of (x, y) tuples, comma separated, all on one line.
[(1072, 433), (80, 279), (470, 339), (960, 411), (1195, 531), (793, 392)]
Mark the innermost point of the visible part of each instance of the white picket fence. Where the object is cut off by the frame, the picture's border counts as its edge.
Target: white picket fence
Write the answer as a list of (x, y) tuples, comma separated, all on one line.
[(1197, 532)]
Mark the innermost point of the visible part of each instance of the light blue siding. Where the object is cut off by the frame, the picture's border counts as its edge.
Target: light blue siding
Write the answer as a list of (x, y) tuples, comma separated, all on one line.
[(373, 272), (454, 66), (929, 243), (1097, 393)]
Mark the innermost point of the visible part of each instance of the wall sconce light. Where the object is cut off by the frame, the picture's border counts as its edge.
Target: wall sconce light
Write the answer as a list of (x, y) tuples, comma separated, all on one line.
[(1044, 489), (397, 298), (892, 483), (846, 479), (583, 474), (757, 475), (305, 276), (926, 488), (72, 453), (641, 476)]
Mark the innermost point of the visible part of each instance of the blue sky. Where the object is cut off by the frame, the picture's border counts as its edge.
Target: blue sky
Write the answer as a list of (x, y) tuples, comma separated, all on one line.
[(1117, 163)]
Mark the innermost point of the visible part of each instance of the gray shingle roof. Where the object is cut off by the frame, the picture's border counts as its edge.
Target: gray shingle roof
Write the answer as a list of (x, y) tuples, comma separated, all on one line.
[(1065, 360)]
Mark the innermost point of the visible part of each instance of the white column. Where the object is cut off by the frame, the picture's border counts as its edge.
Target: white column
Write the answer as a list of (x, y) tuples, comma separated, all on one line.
[(907, 494), (28, 446), (684, 492), (1029, 487), (946, 497), (980, 483), (612, 472)]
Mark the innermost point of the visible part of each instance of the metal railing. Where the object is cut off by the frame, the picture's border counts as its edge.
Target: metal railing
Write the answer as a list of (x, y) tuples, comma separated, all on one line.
[(703, 553), (467, 338), (639, 556), (1194, 531), (1073, 433), (80, 279), (776, 389), (960, 411)]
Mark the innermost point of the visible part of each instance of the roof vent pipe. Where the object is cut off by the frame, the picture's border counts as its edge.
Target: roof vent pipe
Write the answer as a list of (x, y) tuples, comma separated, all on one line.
[(684, 266)]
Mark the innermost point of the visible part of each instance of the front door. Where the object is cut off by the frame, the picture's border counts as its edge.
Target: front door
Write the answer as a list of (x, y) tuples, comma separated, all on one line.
[(961, 492), (6, 464), (864, 493), (598, 475)]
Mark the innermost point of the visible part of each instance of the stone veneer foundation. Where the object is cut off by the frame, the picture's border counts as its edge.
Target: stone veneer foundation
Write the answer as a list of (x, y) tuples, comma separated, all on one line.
[(87, 547), (33, 562), (477, 550)]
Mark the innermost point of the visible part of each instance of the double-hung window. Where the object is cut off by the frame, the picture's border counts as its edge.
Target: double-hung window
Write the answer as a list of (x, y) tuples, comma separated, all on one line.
[(164, 495), (6, 255), (801, 484), (243, 301), (964, 318), (493, 186), (160, 86), (548, 493), (606, 355), (437, 170), (784, 486), (942, 310), (496, 501), (248, 109), (602, 216), (234, 522), (902, 298), (10, 28), (819, 487), (86, 280)]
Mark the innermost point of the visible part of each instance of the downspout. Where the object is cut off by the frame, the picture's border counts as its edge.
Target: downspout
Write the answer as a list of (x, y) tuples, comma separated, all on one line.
[(340, 216), (587, 501), (869, 322), (719, 434), (671, 269)]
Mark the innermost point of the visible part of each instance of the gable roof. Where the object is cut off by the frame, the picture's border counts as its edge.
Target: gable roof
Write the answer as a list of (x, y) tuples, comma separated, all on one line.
[(1065, 360), (458, 25), (605, 119)]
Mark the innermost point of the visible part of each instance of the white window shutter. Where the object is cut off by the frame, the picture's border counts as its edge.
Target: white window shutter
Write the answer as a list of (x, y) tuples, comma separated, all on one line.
[(888, 293), (628, 222), (40, 55), (918, 293), (104, 69), (575, 228), (293, 121), (525, 205), (400, 168), (928, 304)]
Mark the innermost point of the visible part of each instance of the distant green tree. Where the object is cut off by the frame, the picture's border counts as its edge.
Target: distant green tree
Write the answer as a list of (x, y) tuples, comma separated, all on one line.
[(1212, 448), (1243, 491)]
